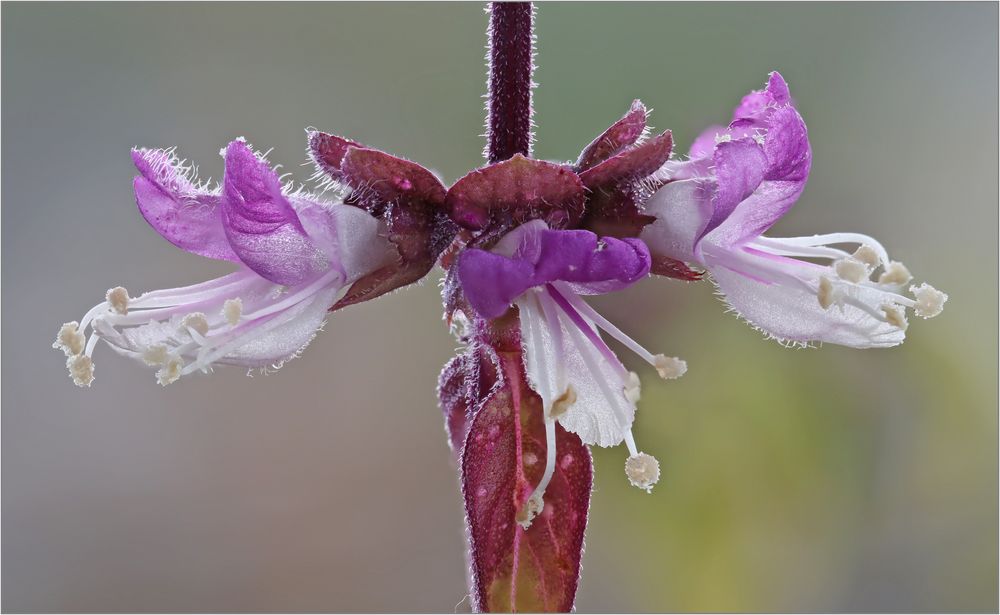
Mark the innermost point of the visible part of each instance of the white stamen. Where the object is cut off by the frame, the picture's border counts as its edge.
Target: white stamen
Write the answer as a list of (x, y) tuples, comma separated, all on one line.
[(562, 403), (536, 501), (643, 471), (81, 370), (867, 255), (156, 354), (826, 293), (196, 321), (930, 301), (232, 310), (169, 329), (171, 371), (70, 340), (670, 368), (895, 315), (118, 299), (851, 270), (835, 238), (633, 388), (895, 274), (655, 360)]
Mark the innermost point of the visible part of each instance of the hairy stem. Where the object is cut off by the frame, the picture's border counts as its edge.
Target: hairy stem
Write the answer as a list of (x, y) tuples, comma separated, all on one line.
[(508, 122)]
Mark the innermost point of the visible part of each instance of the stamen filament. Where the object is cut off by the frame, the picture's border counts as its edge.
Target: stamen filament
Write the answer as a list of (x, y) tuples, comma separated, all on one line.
[(611, 329), (536, 501), (551, 314), (780, 248), (833, 238), (185, 295), (295, 297), (588, 360), (630, 443), (588, 331)]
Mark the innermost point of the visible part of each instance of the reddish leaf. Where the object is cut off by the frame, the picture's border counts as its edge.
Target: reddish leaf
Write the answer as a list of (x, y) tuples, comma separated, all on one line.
[(382, 178), (521, 188), (419, 238), (327, 152), (673, 268), (384, 280), (514, 569), (464, 380), (376, 177), (620, 135), (631, 165), (454, 400), (614, 212)]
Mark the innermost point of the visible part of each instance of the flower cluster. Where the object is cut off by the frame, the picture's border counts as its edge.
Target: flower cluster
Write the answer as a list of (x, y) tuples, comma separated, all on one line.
[(522, 241)]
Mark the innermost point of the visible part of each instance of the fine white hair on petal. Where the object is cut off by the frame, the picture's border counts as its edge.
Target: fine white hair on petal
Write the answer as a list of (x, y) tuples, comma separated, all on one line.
[(791, 313)]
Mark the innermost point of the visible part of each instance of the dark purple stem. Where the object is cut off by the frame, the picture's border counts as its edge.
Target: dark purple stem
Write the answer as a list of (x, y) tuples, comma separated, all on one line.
[(508, 122)]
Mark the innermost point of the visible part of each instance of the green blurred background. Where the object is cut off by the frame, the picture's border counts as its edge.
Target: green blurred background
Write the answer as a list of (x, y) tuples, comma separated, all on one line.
[(794, 480)]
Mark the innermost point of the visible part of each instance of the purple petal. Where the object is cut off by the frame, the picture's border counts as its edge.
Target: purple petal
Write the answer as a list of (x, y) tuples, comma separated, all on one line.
[(261, 225), (185, 214), (789, 158), (759, 166), (492, 281), (739, 168), (756, 103), (704, 144)]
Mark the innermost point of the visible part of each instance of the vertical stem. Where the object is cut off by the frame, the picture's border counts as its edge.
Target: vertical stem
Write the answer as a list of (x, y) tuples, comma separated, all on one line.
[(508, 122)]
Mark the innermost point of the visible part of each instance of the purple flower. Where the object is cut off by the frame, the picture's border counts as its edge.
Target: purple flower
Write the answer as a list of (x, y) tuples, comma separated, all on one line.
[(295, 252), (581, 382), (738, 181)]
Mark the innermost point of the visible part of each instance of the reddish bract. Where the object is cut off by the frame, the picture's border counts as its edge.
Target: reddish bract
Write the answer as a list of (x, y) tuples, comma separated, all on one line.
[(518, 570)]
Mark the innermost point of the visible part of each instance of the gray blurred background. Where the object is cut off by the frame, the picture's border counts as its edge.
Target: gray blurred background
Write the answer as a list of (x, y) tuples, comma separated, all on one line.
[(832, 479)]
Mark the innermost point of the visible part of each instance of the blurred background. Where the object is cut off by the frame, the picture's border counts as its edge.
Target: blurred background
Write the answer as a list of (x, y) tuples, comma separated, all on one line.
[(794, 480)]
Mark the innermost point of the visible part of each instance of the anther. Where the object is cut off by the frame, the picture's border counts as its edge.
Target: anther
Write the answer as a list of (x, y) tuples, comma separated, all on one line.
[(232, 310), (669, 368), (81, 370), (118, 299), (895, 315), (643, 471), (155, 355), (867, 255), (825, 293), (930, 301), (563, 402), (196, 321), (895, 274), (171, 371), (529, 511), (851, 270), (633, 388), (69, 339)]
